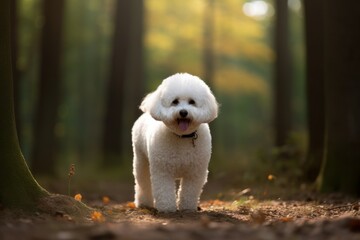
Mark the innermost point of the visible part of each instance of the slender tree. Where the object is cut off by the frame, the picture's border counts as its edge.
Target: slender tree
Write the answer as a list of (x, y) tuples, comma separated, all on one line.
[(208, 40), (341, 165), (314, 38), (135, 76), (282, 83), (208, 52), (126, 73), (18, 188), (115, 88), (45, 145)]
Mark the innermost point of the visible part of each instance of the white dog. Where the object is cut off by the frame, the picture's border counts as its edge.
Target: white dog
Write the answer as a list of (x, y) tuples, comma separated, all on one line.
[(172, 140)]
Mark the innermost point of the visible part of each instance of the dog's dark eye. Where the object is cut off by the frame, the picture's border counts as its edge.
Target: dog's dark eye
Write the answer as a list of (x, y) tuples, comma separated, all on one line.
[(175, 102), (191, 102)]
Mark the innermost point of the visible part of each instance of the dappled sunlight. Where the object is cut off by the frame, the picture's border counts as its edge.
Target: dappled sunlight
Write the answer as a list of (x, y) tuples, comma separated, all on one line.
[(238, 81), (258, 9), (258, 51), (175, 42), (160, 41)]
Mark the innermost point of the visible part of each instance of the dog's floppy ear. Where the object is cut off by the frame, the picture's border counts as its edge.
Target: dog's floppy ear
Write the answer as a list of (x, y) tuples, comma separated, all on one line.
[(213, 107), (152, 105), (147, 102)]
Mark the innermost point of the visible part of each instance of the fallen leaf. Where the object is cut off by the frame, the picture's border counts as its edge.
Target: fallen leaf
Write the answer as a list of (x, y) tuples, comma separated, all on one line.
[(286, 219), (97, 217), (130, 205), (271, 177), (78, 197), (105, 200)]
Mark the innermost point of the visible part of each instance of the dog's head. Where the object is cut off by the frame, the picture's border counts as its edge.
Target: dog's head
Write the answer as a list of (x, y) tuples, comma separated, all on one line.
[(182, 102)]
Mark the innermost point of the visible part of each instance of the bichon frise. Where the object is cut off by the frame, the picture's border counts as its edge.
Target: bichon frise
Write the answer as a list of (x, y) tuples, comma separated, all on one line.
[(172, 140)]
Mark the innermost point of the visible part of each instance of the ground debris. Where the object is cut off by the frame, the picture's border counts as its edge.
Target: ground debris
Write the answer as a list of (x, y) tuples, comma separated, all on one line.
[(245, 218)]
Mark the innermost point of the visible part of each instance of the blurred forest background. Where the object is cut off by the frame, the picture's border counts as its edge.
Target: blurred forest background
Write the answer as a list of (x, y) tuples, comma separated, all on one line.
[(82, 67)]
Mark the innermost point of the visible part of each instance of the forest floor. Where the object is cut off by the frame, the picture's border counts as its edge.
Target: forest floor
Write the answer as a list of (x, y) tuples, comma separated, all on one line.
[(251, 213)]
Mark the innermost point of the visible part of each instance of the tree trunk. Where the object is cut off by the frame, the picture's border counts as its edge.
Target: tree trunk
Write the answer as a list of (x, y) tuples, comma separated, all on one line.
[(45, 144), (135, 75), (113, 123), (209, 56), (126, 73), (208, 40), (18, 188), (314, 87), (341, 165), (282, 84)]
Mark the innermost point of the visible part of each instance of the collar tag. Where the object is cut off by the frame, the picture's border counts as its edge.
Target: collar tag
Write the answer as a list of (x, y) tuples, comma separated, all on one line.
[(193, 137)]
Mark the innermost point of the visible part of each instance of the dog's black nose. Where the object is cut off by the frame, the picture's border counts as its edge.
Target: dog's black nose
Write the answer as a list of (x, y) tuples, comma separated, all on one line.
[(183, 113)]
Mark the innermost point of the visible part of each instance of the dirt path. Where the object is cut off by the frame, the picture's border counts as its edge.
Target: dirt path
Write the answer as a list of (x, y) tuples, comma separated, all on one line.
[(244, 218)]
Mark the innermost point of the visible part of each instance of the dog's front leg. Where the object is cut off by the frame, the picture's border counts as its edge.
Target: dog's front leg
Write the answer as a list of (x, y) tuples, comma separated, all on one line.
[(164, 192), (190, 191)]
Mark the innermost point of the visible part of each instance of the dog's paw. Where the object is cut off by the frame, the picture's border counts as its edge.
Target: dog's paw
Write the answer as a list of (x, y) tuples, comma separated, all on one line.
[(166, 209)]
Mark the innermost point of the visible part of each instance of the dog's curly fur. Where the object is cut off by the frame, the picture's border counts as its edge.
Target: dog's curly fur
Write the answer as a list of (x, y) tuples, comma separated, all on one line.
[(172, 140)]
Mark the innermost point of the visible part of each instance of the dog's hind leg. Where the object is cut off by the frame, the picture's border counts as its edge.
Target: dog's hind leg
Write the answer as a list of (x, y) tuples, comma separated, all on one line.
[(143, 193)]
